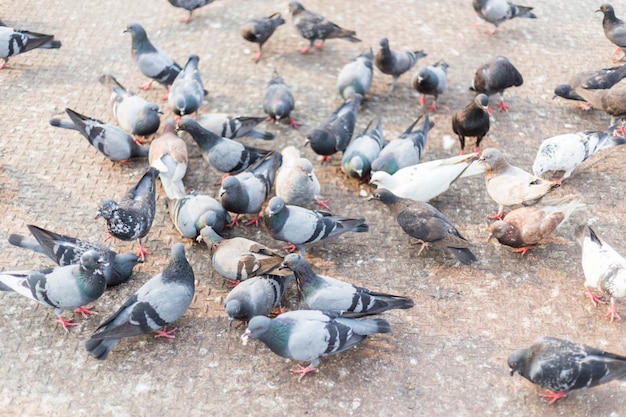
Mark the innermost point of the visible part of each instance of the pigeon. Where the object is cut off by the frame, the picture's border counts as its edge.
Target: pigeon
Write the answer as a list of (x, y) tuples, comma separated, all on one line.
[(499, 11), (592, 80), (111, 141), (187, 93), (425, 181), (358, 156), (225, 155), (190, 6), (307, 335), (406, 150), (318, 292), (431, 80), (614, 29), (612, 101), (527, 226), (561, 366), (63, 288), (247, 191), (168, 154), (256, 296), (193, 212), (296, 182), (259, 30), (238, 259), (66, 250), (301, 226), (356, 76), (566, 152), (604, 269), (228, 126), (509, 185), (334, 134), (159, 302), (278, 102), (132, 217), (395, 63), (473, 121), (496, 76), (313, 26), (152, 62), (133, 113), (17, 41)]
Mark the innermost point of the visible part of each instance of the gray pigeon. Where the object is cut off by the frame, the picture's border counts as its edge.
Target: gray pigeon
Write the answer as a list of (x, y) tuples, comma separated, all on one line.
[(431, 80), (132, 217), (313, 27), (228, 126), (67, 250), (406, 150), (159, 302), (193, 212), (111, 141), (356, 76), (612, 100), (592, 80), (247, 191), (63, 288), (152, 62), (301, 226), (168, 154), (334, 134), (296, 182), (16, 41), (133, 113), (307, 335), (561, 366), (395, 63), (426, 224), (259, 30), (256, 296), (278, 102), (614, 29), (473, 121), (187, 93), (225, 155), (496, 76), (499, 11), (190, 6), (358, 156), (318, 292)]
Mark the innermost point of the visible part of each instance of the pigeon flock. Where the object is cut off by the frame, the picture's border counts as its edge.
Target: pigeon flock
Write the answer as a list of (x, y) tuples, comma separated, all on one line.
[(274, 185)]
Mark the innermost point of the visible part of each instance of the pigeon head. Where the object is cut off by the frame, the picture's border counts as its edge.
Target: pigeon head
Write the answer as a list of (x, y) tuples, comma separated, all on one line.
[(385, 196), (135, 29), (233, 309), (493, 159), (498, 229), (295, 7), (321, 142), (209, 235), (91, 260), (380, 178), (276, 205), (384, 43), (257, 327), (292, 261), (107, 209), (482, 101), (607, 9), (517, 361), (229, 184), (277, 18), (562, 90)]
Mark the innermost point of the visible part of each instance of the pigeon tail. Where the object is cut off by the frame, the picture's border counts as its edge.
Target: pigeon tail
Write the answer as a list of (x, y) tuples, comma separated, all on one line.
[(63, 124), (463, 255), (524, 11), (26, 243), (100, 348)]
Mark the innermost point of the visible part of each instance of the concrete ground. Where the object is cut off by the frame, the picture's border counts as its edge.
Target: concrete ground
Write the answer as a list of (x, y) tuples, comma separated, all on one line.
[(446, 356)]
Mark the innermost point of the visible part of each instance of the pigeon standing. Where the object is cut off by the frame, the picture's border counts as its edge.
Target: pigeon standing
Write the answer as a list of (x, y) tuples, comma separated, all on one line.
[(278, 102), (168, 154), (496, 76), (356, 76), (358, 156), (159, 302), (473, 121), (612, 100), (16, 41), (431, 80), (228, 126), (132, 217), (602, 79), (259, 30), (561, 366), (63, 287), (313, 26), (296, 182), (499, 11), (256, 296), (307, 335), (395, 63), (187, 92), (614, 29), (190, 6), (191, 213)]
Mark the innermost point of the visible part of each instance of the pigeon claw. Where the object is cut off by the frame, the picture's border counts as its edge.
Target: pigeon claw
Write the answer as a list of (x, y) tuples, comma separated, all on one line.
[(5, 64), (498, 216), (291, 248), (594, 298), (433, 107), (554, 396), (254, 220), (522, 250), (257, 56), (611, 313), (504, 107), (319, 45), (142, 252), (147, 85), (234, 222), (304, 50), (232, 283), (294, 123), (65, 323), (85, 311), (324, 159), (302, 371), (323, 204), (166, 333)]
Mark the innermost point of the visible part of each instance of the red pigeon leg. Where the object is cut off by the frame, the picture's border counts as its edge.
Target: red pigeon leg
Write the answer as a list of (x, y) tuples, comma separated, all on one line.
[(166, 333), (234, 222), (325, 159), (254, 220), (188, 18), (611, 313), (422, 100), (433, 106), (142, 252), (294, 123), (65, 323), (323, 204), (554, 396), (319, 45), (302, 371), (257, 55), (503, 106), (85, 310), (147, 85), (594, 298), (304, 50), (522, 250), (291, 248)]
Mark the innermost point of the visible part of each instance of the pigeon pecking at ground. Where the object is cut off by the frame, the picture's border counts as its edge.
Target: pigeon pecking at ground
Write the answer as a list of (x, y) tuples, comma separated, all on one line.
[(187, 92), (229, 126), (256, 296), (258, 30), (168, 154), (499, 11), (612, 101), (362, 150), (614, 29), (17, 41), (278, 102), (356, 77), (191, 213), (495, 76), (431, 80), (190, 6), (395, 63), (472, 121)]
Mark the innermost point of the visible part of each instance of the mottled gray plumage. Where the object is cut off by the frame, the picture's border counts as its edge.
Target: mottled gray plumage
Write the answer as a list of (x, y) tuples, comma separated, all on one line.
[(356, 76), (190, 6), (278, 102), (395, 63), (614, 28), (193, 212), (592, 80), (499, 11), (17, 41), (495, 76), (168, 154), (256, 296), (258, 30), (228, 126), (431, 80), (472, 121), (296, 182), (187, 92), (366, 146)]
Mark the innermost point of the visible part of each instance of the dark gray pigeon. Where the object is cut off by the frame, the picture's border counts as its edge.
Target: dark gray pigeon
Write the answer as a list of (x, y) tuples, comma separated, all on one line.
[(426, 224), (111, 141), (132, 217), (499, 11), (256, 296), (168, 154), (313, 27), (17, 41), (228, 126), (300, 226), (612, 101), (246, 192), (187, 93), (67, 250), (190, 6), (258, 30), (356, 76), (431, 80), (472, 121), (193, 212), (358, 156), (152, 62), (159, 302), (406, 150), (592, 80), (614, 29), (318, 292), (334, 134), (496, 76), (307, 335), (63, 288), (278, 102), (561, 366), (395, 63)]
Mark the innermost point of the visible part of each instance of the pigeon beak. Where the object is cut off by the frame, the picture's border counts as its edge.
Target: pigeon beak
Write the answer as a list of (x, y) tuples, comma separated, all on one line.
[(245, 337), (306, 142), (98, 214)]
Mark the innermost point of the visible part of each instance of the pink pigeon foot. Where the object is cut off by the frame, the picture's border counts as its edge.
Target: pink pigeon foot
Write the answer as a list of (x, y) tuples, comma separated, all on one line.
[(522, 250), (166, 333), (433, 107), (254, 220), (65, 323), (324, 159), (291, 248), (554, 396), (504, 107), (611, 313), (85, 310), (234, 222), (302, 371), (594, 298), (304, 50), (142, 252), (257, 56), (147, 85), (323, 204), (319, 45), (294, 123)]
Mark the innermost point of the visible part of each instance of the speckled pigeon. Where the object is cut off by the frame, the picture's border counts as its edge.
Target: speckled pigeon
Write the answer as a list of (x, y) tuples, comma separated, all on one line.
[(17, 41), (614, 29), (499, 11), (356, 76), (190, 6), (256, 296), (395, 63), (473, 121), (278, 102), (193, 212), (431, 80), (229, 126), (495, 76), (187, 92), (258, 30), (366, 146)]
